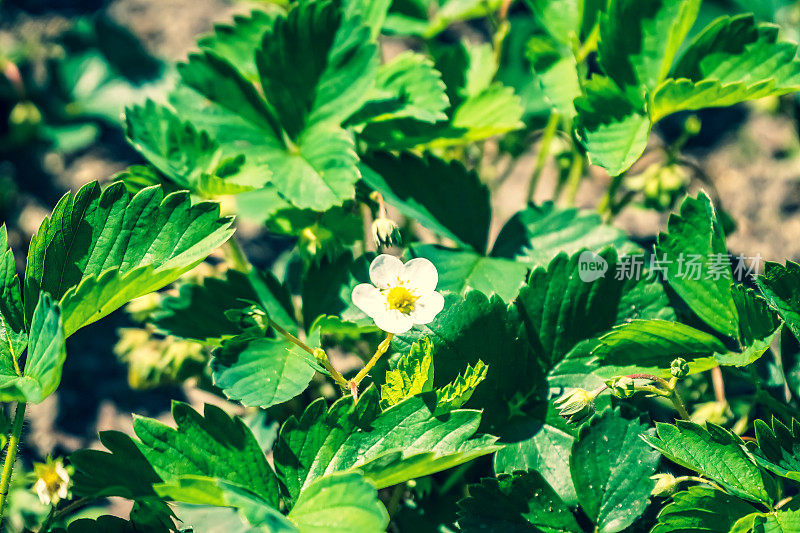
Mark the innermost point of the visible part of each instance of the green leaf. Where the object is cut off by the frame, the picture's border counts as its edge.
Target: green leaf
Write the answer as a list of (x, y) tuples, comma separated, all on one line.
[(112, 524), (537, 234), (655, 343), (758, 327), (638, 42), (494, 111), (519, 502), (613, 130), (780, 521), (778, 448), (472, 328), (262, 372), (534, 445), (556, 70), (404, 442), (215, 446), (201, 311), (702, 509), (98, 251), (715, 453), (189, 158), (412, 375), (463, 270), (121, 471), (316, 66), (341, 502), (559, 309), (201, 490), (697, 264), (460, 390), (444, 197), (236, 41), (13, 334), (442, 15), (781, 287), (44, 360), (408, 86), (612, 482)]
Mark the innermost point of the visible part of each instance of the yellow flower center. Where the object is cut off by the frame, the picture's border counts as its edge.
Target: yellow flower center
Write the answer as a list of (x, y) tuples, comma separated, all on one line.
[(401, 299)]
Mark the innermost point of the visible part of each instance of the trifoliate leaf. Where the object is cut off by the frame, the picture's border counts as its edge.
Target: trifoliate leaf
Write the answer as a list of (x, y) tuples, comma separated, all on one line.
[(408, 86), (613, 130), (462, 270), (613, 482), (778, 448), (537, 234), (781, 287), (412, 375), (638, 43), (236, 41), (702, 508), (444, 197), (472, 328), (44, 360), (340, 503), (262, 372), (716, 453), (519, 502), (697, 264), (404, 442), (214, 445), (97, 251), (653, 344)]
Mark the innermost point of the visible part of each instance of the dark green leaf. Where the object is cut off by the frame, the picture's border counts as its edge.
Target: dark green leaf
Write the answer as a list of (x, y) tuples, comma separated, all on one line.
[(781, 287), (778, 448), (702, 509)]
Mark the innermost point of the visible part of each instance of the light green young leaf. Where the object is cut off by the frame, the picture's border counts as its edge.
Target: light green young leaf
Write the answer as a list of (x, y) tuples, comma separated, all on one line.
[(613, 130), (98, 251), (538, 233), (214, 445), (494, 111), (445, 197), (612, 482), (460, 390), (340, 503), (639, 41), (702, 509), (781, 287), (44, 360), (780, 521), (408, 86), (462, 270), (655, 343), (715, 453), (697, 264), (262, 372), (236, 41), (519, 502), (412, 375), (557, 72), (433, 18), (404, 442)]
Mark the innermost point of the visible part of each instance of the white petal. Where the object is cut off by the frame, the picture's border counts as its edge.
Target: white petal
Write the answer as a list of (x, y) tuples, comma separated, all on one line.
[(427, 307), (41, 491), (385, 270), (420, 274), (393, 321), (369, 299), (62, 491)]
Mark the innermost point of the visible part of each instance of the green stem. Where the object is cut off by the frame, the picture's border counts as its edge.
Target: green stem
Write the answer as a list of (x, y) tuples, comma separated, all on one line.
[(574, 177), (235, 256), (544, 150), (606, 206), (56, 516), (382, 348), (396, 498), (11, 455), (337, 377)]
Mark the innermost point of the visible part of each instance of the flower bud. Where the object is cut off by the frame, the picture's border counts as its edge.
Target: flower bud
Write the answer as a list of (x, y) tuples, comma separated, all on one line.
[(666, 485), (679, 368), (320, 356), (386, 232), (621, 387), (577, 406)]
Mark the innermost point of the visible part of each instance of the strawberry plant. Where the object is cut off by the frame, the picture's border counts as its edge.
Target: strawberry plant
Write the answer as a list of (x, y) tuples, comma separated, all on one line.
[(555, 374)]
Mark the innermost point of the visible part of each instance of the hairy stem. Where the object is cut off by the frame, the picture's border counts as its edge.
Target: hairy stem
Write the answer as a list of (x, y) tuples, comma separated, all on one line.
[(11, 455), (544, 150), (382, 348), (326, 364)]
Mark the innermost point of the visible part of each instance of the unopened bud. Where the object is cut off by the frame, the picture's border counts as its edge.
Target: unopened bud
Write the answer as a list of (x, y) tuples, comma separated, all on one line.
[(679, 368), (666, 485), (386, 232), (622, 387), (577, 406), (692, 125), (320, 356)]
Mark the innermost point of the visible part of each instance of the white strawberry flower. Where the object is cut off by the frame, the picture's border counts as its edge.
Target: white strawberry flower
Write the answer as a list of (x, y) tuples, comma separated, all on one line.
[(52, 483), (400, 295)]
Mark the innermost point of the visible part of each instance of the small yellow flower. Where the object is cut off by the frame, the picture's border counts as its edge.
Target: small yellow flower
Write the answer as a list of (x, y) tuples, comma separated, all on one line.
[(400, 295), (52, 483)]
